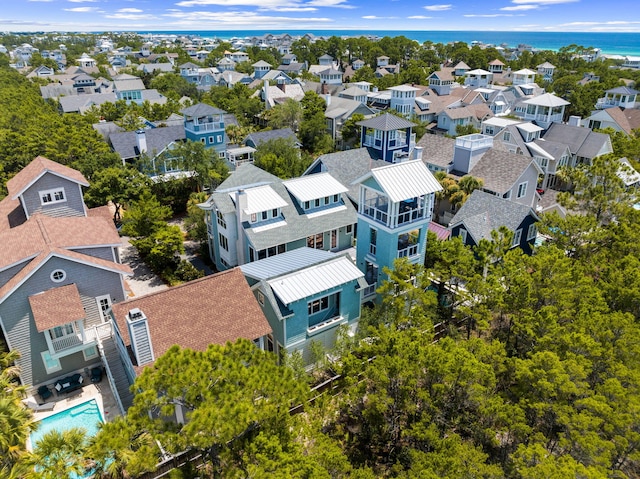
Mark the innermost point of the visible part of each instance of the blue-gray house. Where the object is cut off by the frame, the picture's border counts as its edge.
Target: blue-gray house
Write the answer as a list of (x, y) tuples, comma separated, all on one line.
[(306, 294)]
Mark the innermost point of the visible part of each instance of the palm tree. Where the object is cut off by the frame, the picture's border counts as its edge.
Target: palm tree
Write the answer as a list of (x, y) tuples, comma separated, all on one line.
[(59, 454), (469, 183), (16, 420)]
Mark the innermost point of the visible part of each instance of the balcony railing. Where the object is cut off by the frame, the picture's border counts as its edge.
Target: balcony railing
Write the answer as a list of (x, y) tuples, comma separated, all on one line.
[(369, 290), (74, 341), (370, 140), (410, 250), (66, 342), (209, 126), (332, 320), (410, 215), (375, 213)]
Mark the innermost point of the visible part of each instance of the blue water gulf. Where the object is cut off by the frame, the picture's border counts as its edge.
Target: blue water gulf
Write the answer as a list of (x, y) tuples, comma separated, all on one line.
[(609, 43)]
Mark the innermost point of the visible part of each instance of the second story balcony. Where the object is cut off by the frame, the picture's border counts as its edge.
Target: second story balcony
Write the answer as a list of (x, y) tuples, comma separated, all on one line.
[(394, 215), (203, 126)]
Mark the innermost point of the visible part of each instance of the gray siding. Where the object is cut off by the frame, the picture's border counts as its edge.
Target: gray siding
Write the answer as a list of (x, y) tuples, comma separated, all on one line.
[(9, 273), (19, 325), (74, 205), (105, 252)]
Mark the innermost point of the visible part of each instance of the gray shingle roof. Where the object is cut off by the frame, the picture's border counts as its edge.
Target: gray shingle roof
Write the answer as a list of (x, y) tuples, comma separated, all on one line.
[(386, 122), (201, 109), (581, 141), (484, 212), (500, 169), (346, 167), (298, 226), (437, 149), (260, 137), (126, 144)]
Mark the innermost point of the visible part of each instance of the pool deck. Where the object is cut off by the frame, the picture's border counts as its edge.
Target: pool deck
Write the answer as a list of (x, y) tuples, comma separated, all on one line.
[(101, 392)]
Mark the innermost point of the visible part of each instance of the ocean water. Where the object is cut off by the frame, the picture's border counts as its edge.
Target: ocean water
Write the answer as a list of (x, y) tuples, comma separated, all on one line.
[(607, 42)]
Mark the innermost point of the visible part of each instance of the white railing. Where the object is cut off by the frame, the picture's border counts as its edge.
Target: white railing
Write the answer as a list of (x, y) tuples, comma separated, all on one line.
[(66, 342), (474, 141), (375, 213), (369, 290), (411, 250), (410, 215), (316, 328), (210, 126), (372, 249)]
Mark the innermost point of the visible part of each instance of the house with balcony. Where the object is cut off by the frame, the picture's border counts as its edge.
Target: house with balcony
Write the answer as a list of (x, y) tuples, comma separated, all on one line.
[(547, 70), (306, 295), (451, 118), (460, 69), (388, 137), (441, 81), (254, 215), (523, 77), (478, 78), (496, 66), (60, 272), (403, 98), (394, 210), (483, 213), (205, 123), (622, 97), (543, 110)]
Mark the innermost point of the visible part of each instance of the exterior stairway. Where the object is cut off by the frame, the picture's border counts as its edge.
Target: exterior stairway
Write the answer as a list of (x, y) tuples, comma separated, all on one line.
[(112, 358)]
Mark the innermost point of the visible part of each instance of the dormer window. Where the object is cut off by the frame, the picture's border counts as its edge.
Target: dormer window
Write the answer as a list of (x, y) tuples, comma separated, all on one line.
[(48, 197)]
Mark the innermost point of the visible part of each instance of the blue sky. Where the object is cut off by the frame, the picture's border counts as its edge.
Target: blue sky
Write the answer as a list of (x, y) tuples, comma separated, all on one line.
[(148, 15)]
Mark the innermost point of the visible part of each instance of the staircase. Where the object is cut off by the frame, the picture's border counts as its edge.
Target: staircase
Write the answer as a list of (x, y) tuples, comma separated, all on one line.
[(112, 358)]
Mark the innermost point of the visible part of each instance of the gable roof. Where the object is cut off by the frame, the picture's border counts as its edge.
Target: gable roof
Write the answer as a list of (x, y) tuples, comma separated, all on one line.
[(627, 119), (401, 181), (56, 306), (126, 143), (307, 188), (437, 149), (484, 212), (183, 314), (500, 169), (581, 141), (36, 169)]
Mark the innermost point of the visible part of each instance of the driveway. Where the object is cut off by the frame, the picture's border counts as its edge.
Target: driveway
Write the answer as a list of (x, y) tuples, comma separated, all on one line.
[(143, 281)]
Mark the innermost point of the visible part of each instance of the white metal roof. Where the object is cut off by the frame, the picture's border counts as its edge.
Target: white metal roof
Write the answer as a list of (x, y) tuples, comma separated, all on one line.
[(499, 121), (405, 180), (539, 151), (422, 101), (528, 127), (315, 279), (308, 188), (404, 88), (285, 263), (547, 99), (261, 198)]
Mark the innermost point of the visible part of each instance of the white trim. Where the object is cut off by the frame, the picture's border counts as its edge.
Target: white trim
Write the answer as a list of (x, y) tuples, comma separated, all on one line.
[(517, 237), (531, 232), (55, 273), (84, 352), (518, 195), (51, 194), (58, 255), (53, 369), (104, 315), (42, 173)]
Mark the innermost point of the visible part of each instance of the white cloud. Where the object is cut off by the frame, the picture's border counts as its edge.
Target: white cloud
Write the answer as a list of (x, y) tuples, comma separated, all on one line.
[(129, 10), (520, 8), (490, 15), (82, 1), (419, 17), (543, 2), (437, 8), (131, 16), (239, 19), (590, 24), (82, 9), (289, 9), (275, 5)]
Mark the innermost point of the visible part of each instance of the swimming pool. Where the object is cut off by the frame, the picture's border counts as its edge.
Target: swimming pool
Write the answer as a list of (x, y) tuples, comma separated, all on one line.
[(86, 415)]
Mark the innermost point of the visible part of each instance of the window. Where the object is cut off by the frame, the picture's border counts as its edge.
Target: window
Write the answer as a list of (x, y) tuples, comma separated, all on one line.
[(219, 138), (517, 237), (261, 298), (62, 331), (373, 241), (315, 241), (58, 275), (318, 305), (264, 215), (335, 198), (506, 136), (522, 189), (317, 202), (221, 220), (254, 217), (349, 229), (326, 200), (531, 232), (203, 140), (463, 234), (507, 195), (334, 239), (306, 205), (90, 353), (274, 213), (211, 140), (49, 197), (224, 243), (50, 364)]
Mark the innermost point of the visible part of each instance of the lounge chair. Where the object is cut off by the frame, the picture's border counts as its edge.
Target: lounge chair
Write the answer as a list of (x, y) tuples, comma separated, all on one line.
[(96, 374), (34, 406), (44, 392)]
